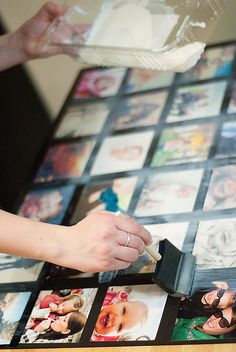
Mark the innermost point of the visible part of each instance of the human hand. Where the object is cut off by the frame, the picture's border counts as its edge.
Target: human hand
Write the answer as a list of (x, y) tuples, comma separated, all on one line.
[(53, 307), (221, 284), (97, 243)]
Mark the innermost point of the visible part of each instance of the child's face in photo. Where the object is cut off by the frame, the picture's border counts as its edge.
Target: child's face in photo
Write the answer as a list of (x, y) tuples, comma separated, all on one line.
[(115, 318), (226, 187), (61, 324), (66, 307)]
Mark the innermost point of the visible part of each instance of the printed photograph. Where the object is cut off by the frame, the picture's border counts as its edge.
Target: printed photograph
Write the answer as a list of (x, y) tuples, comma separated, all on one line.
[(232, 102), (47, 205), (208, 314), (83, 120), (64, 161), (113, 195), (174, 232), (122, 153), (169, 193), (18, 269), (221, 193), (143, 80), (142, 110), (214, 63), (226, 145), (215, 244), (197, 101), (184, 144), (59, 316), (99, 83), (130, 313), (12, 305)]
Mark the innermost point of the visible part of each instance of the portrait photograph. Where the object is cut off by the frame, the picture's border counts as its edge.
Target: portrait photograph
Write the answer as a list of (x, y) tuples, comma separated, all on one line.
[(214, 63), (83, 120), (18, 269), (143, 80), (226, 145), (12, 306), (138, 111), (64, 161), (184, 144), (99, 83), (122, 153), (113, 195), (59, 316), (130, 313), (215, 244), (232, 103), (169, 193), (221, 193), (197, 101), (207, 314), (174, 232), (47, 205)]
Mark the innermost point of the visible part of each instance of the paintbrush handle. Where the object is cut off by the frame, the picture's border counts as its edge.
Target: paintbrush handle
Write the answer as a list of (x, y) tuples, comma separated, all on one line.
[(153, 252)]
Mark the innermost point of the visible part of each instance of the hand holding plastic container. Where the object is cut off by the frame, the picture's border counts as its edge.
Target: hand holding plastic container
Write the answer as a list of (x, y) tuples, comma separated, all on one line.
[(152, 34)]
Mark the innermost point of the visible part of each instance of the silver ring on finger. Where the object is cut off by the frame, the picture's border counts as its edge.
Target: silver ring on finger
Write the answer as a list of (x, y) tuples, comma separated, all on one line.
[(128, 240)]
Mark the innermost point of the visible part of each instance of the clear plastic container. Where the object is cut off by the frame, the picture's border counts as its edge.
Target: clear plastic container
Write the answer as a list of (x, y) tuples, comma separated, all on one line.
[(151, 34)]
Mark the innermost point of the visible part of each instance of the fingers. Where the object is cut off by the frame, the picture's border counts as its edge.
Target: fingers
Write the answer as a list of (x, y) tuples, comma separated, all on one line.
[(126, 239), (129, 225)]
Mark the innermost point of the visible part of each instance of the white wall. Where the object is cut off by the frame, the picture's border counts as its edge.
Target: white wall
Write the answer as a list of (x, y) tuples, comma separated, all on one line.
[(54, 77)]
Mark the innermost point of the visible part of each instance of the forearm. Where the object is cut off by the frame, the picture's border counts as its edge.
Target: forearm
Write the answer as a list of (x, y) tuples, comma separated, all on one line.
[(11, 50), (27, 238)]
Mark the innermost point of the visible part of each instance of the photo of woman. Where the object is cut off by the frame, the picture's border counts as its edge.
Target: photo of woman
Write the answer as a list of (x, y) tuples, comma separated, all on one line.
[(130, 313)]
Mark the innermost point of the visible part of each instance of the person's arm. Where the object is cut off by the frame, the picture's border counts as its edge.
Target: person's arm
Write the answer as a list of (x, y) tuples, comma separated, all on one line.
[(97, 243), (27, 42)]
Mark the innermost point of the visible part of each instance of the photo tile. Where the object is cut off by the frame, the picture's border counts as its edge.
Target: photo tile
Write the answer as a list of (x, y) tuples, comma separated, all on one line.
[(83, 120), (99, 83), (122, 153), (60, 272), (169, 193), (215, 244), (184, 144), (59, 316), (174, 232), (226, 145), (130, 313), (197, 101), (47, 204), (221, 192), (12, 306), (112, 195), (214, 63), (138, 111), (17, 269), (64, 161), (208, 314), (232, 103), (143, 80)]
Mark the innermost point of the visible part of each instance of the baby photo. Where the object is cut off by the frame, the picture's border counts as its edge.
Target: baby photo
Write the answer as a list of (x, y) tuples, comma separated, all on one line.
[(59, 316), (215, 244), (174, 232), (12, 306), (184, 144), (169, 193), (18, 269), (221, 193), (197, 101), (232, 102), (99, 83), (113, 195), (214, 63), (142, 80), (208, 314), (83, 120), (122, 153), (226, 146), (142, 110), (64, 161), (47, 205), (130, 313)]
